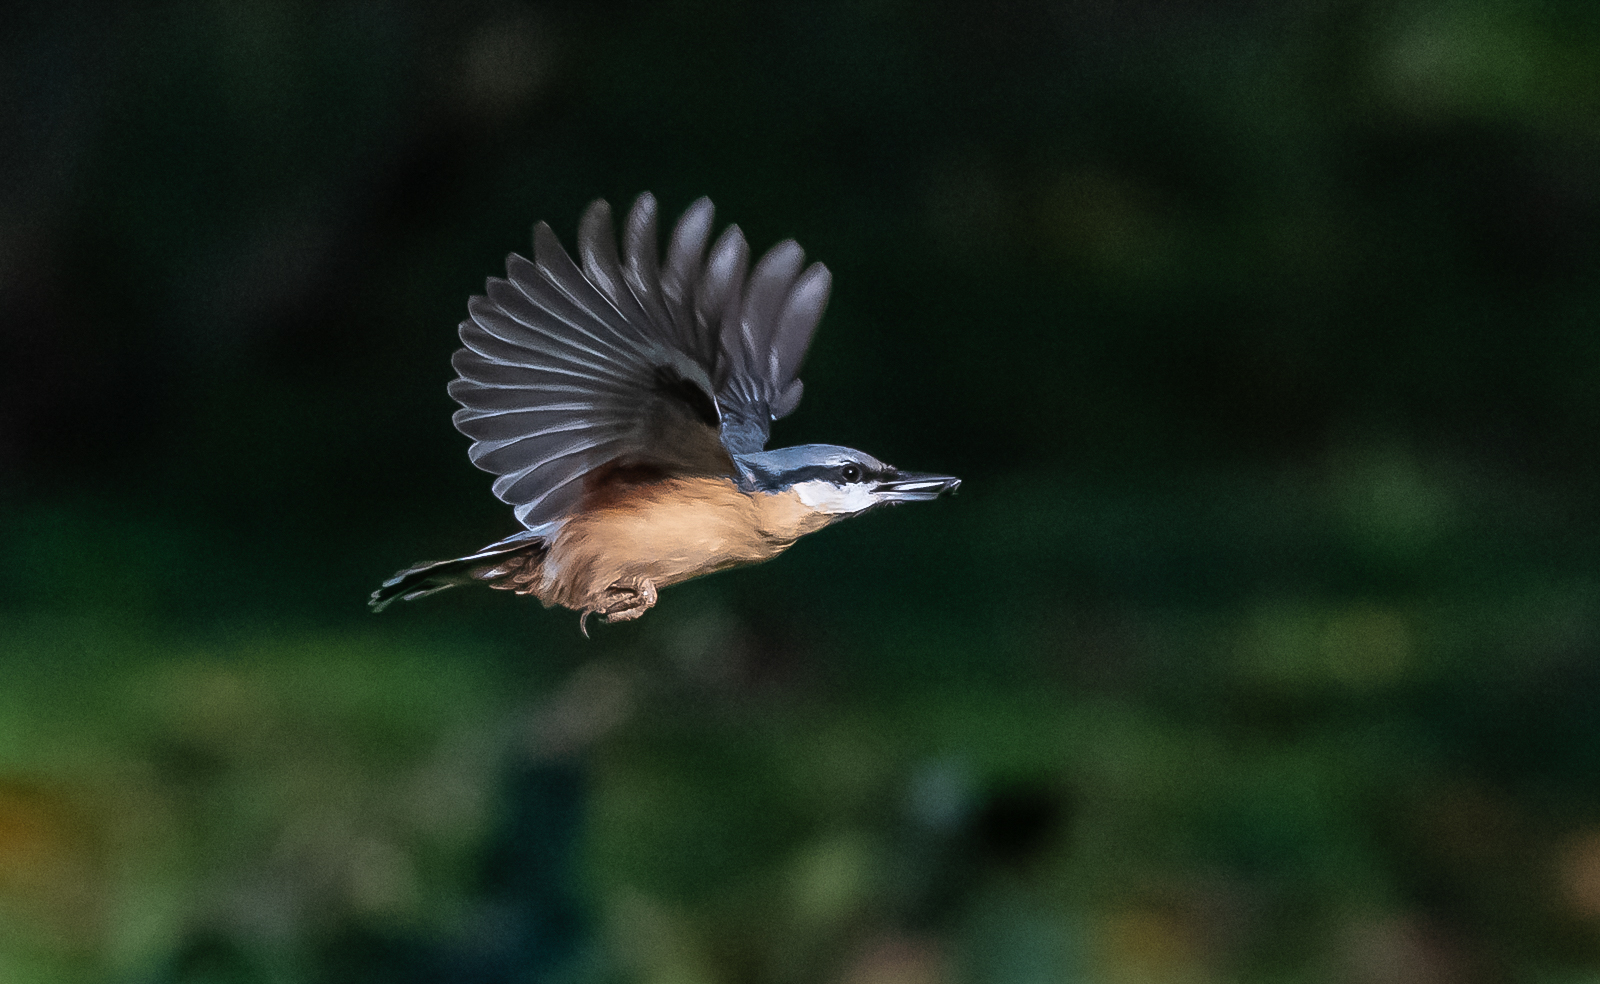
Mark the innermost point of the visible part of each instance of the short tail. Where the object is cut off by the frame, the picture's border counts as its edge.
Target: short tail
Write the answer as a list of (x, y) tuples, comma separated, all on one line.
[(513, 555)]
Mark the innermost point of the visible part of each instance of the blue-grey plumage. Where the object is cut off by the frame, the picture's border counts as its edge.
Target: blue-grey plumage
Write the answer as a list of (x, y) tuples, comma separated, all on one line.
[(624, 404)]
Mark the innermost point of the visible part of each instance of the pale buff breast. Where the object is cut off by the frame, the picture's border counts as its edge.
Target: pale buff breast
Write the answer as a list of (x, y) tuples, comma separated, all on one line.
[(668, 532)]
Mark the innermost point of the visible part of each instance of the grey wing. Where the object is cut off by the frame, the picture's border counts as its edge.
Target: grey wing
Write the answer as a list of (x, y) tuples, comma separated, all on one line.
[(569, 369), (763, 326)]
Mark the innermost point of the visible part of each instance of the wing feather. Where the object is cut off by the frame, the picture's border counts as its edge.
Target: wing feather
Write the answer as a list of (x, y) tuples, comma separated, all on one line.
[(565, 276), (685, 261), (766, 342), (797, 323), (641, 270), (602, 266), (764, 299), (534, 326), (489, 399), (572, 321), (717, 294), (626, 356), (510, 424), (494, 336)]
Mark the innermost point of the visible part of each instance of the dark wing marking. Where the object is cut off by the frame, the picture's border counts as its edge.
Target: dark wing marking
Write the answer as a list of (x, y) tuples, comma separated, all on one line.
[(567, 369)]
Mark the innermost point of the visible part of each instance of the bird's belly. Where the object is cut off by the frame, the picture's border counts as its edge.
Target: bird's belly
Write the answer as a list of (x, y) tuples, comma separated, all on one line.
[(664, 533)]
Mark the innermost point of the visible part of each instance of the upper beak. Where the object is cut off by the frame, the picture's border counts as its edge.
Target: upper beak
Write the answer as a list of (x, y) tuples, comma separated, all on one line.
[(914, 487)]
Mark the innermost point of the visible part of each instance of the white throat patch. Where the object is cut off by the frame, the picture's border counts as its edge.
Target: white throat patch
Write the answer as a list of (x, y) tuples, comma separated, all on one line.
[(830, 498)]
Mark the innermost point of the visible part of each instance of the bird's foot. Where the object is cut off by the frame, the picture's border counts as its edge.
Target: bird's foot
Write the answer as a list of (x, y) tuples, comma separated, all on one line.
[(631, 601), (624, 601)]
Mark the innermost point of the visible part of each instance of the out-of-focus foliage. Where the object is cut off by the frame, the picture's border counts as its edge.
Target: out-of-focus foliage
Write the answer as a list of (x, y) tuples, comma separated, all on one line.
[(1260, 645)]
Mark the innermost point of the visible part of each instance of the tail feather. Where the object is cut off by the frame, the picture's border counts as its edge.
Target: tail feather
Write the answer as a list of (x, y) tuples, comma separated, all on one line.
[(486, 566)]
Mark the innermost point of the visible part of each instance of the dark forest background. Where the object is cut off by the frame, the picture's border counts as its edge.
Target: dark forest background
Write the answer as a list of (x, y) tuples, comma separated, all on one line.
[(1260, 644)]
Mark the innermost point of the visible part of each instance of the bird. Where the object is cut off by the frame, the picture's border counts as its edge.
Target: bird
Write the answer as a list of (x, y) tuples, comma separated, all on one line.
[(624, 401)]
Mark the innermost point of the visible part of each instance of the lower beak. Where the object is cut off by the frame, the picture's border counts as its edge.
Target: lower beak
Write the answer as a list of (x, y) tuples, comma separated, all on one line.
[(914, 487)]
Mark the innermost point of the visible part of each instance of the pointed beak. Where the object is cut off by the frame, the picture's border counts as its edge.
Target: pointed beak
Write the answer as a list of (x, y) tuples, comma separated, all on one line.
[(914, 487)]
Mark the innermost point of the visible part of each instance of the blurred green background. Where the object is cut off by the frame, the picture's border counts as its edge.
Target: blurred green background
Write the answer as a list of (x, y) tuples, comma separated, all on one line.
[(1260, 644)]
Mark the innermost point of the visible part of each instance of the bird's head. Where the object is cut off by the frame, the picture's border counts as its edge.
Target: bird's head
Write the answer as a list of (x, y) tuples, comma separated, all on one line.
[(839, 481)]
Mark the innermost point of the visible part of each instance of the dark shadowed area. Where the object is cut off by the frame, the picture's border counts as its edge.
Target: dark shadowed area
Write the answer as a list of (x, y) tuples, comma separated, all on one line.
[(1261, 644)]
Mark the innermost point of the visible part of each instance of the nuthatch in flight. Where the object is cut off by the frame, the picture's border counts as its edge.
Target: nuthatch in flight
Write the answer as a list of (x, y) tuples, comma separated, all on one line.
[(625, 405)]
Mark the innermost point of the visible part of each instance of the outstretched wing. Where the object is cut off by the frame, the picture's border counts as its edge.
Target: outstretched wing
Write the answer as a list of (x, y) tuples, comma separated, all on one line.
[(566, 370), (569, 369), (764, 327)]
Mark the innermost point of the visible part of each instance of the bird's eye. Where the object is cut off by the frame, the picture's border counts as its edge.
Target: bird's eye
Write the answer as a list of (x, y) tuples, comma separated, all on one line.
[(850, 473)]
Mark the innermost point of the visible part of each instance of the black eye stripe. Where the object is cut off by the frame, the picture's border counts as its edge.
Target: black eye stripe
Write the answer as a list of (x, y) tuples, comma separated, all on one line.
[(825, 473)]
